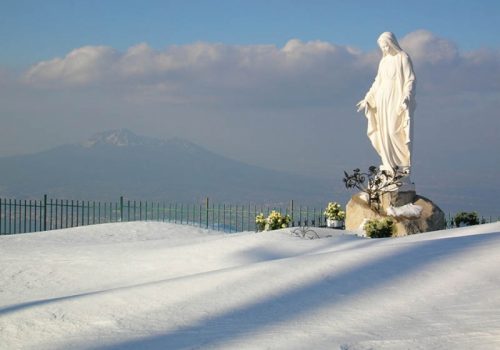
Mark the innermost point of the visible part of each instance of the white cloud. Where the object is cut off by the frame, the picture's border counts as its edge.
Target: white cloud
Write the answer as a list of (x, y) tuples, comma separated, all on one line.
[(425, 47), (315, 69), (299, 73), (85, 65), (443, 69), (211, 65)]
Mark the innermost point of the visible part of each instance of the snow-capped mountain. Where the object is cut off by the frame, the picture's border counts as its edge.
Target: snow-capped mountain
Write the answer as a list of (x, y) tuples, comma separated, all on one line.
[(119, 162), (120, 138)]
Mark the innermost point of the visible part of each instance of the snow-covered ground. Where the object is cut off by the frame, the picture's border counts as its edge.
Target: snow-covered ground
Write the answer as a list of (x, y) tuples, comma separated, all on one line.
[(164, 286)]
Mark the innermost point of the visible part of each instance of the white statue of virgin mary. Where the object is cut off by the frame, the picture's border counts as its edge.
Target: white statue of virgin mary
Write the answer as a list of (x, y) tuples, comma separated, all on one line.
[(389, 106)]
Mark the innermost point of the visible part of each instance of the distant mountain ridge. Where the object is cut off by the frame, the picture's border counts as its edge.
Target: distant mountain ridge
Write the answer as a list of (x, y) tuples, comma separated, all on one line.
[(119, 162), (120, 138)]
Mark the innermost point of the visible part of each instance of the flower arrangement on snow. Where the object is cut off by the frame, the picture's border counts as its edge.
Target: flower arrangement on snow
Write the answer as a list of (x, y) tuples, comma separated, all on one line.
[(334, 211), (273, 222)]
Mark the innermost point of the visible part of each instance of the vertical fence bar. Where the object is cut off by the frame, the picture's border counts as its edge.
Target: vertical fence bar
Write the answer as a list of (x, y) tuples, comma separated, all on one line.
[(230, 218), (194, 214), (5, 219), (206, 205), (72, 216), (10, 215), (5, 216), (2, 217), (77, 213), (218, 217), (224, 217), (37, 216), (61, 215), (248, 217), (9, 229), (31, 217), (170, 212), (15, 216), (20, 217), (44, 212), (121, 208), (236, 218), (175, 213), (55, 216), (25, 216), (213, 217), (199, 213), (88, 212), (40, 215), (182, 211)]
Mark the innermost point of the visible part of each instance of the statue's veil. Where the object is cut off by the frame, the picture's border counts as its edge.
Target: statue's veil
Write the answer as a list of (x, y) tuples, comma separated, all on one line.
[(390, 39)]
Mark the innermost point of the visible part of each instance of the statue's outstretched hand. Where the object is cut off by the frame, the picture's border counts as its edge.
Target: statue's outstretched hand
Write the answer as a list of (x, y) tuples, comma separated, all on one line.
[(361, 105)]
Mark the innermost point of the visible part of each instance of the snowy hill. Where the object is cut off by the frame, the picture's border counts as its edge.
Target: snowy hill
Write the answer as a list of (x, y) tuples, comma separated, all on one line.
[(162, 286)]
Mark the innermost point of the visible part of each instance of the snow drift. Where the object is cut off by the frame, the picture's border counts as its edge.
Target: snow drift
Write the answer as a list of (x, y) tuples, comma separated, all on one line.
[(163, 286)]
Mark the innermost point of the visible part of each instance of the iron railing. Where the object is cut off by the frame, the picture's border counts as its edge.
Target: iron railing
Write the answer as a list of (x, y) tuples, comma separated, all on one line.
[(22, 216)]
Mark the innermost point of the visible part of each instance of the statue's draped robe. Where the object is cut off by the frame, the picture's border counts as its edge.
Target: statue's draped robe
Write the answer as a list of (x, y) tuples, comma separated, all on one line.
[(389, 131)]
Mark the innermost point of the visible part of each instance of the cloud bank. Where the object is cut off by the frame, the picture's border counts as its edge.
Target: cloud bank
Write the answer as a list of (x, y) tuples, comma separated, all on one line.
[(206, 66)]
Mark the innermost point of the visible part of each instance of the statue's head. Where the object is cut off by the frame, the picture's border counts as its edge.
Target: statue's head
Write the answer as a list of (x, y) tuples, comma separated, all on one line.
[(388, 43)]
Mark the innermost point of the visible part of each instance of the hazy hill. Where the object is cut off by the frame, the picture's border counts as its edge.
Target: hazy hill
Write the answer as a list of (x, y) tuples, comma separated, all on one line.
[(119, 162)]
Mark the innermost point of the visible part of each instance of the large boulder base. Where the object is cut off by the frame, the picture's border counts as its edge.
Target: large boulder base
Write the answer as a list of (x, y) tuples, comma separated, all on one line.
[(431, 218)]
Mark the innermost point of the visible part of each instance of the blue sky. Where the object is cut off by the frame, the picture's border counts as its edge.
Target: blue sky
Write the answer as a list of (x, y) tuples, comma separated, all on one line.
[(38, 30), (275, 82)]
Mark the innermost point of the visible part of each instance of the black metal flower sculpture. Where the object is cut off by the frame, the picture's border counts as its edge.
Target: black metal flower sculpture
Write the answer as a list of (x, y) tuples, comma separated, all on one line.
[(378, 183)]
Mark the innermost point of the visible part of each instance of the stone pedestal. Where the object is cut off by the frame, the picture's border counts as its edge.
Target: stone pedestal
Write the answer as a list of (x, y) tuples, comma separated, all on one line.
[(429, 217)]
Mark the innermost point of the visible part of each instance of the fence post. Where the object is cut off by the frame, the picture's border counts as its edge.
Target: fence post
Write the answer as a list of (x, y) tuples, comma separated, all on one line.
[(121, 208), (44, 212), (206, 204)]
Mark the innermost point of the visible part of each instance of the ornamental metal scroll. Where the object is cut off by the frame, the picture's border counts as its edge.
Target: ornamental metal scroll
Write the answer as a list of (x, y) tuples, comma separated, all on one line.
[(304, 232), (374, 183)]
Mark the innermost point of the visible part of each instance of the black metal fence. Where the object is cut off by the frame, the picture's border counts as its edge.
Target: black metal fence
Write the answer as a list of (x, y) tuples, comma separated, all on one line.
[(22, 216), (450, 220)]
